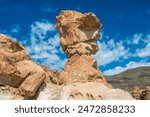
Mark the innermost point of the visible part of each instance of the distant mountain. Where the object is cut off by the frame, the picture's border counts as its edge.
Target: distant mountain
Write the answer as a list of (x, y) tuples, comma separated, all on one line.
[(133, 77)]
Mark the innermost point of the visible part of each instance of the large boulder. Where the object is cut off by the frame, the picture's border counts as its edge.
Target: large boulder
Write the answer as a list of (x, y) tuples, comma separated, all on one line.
[(17, 70)]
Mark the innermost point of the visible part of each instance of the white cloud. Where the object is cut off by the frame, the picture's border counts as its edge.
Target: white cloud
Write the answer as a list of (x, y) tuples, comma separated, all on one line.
[(147, 38), (43, 47), (137, 38), (110, 52), (144, 52), (40, 29), (120, 69), (14, 30)]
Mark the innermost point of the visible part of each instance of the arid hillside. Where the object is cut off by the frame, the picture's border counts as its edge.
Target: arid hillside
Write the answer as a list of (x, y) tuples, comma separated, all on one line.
[(133, 77)]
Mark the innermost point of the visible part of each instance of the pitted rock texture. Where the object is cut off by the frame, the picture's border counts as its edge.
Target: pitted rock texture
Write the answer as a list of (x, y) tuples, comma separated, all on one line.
[(92, 91), (81, 69), (78, 32), (78, 38), (17, 70), (141, 94)]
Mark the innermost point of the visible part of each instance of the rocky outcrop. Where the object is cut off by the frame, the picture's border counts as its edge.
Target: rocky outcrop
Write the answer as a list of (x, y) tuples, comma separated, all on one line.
[(82, 91), (17, 70), (81, 77), (141, 94), (20, 78), (78, 38), (92, 91), (78, 32)]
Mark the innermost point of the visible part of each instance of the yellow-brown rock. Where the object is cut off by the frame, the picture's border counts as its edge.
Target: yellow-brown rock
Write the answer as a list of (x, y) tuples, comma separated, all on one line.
[(16, 69), (78, 38), (78, 32)]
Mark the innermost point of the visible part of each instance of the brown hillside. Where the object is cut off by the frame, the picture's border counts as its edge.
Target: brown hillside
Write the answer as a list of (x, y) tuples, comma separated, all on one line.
[(134, 77)]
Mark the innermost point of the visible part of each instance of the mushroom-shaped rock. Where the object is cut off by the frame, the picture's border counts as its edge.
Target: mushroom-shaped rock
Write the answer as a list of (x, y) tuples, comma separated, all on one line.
[(78, 37)]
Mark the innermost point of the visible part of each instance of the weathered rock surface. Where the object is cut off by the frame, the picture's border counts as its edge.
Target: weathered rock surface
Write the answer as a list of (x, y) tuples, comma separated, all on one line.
[(93, 91), (17, 70), (82, 91), (78, 38), (5, 93), (78, 32), (141, 94)]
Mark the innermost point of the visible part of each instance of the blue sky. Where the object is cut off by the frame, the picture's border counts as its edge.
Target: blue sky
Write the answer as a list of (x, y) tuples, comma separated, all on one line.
[(124, 41)]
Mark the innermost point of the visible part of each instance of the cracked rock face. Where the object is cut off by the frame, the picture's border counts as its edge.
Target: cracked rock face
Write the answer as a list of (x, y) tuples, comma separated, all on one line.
[(78, 32), (17, 70), (78, 38)]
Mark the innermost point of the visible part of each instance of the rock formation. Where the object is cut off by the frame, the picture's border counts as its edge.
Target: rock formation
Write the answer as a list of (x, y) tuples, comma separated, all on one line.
[(92, 91), (78, 38), (20, 78), (136, 92), (16, 69), (141, 94), (82, 78)]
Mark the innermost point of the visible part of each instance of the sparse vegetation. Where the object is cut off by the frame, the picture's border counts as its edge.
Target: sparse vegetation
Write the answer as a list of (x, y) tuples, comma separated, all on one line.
[(52, 80), (130, 78)]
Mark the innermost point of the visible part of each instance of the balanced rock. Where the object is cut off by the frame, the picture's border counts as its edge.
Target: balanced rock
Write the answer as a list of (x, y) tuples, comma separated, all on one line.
[(17, 70), (20, 78), (78, 32), (78, 38)]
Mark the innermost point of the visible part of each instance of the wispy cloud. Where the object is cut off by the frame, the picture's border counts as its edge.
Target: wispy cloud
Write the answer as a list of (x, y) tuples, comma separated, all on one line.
[(137, 38), (43, 47), (120, 69), (110, 51), (144, 52), (15, 29)]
